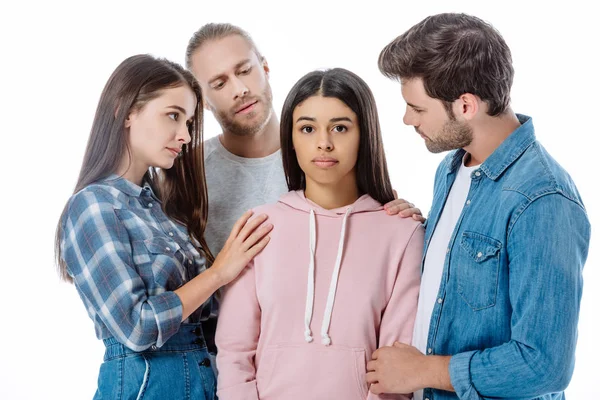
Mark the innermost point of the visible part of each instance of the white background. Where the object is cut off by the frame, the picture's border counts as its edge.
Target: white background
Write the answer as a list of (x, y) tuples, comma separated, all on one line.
[(56, 58)]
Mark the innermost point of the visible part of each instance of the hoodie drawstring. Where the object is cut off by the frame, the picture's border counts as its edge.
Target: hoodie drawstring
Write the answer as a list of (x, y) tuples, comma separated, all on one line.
[(310, 293)]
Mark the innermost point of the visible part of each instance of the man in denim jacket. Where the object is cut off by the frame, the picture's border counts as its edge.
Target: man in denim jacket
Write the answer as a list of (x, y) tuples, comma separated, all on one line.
[(507, 235)]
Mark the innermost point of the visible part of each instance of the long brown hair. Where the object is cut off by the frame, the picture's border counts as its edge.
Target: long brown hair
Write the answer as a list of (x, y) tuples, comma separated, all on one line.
[(372, 175), (182, 188)]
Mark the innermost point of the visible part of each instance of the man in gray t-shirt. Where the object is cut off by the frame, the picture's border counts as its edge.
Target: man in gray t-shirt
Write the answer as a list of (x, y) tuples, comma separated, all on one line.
[(243, 165)]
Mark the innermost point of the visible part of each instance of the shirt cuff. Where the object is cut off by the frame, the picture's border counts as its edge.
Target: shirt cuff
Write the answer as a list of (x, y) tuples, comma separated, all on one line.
[(168, 312), (460, 376)]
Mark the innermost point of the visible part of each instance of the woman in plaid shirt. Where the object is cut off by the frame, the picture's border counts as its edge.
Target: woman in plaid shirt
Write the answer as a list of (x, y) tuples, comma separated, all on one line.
[(132, 239)]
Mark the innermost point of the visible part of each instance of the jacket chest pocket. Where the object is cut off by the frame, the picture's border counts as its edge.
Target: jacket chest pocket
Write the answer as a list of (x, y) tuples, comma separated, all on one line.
[(478, 266)]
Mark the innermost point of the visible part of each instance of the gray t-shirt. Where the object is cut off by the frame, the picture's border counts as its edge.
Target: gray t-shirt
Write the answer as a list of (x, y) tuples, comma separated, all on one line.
[(235, 185)]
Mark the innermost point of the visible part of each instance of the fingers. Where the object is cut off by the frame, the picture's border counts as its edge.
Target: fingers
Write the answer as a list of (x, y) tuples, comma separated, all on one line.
[(376, 388), (251, 226), (419, 218), (257, 248), (410, 210), (375, 355), (371, 377), (239, 224), (256, 236), (371, 365)]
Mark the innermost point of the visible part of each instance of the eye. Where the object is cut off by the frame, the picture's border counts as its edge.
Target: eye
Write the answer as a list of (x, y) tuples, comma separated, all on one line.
[(418, 111), (218, 85), (340, 129), (307, 129), (174, 116), (246, 71)]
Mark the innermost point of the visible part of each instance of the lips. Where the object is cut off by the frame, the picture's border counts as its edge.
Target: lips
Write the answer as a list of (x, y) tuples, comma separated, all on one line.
[(246, 107), (325, 162), (174, 150)]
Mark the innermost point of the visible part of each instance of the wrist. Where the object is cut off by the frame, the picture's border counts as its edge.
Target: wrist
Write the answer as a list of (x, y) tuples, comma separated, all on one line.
[(216, 277), (436, 374)]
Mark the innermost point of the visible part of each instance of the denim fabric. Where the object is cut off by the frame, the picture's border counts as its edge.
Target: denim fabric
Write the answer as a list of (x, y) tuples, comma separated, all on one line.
[(179, 370), (508, 302)]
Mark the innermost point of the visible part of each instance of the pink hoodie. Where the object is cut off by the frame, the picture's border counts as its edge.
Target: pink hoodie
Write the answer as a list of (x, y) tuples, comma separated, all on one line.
[(304, 318)]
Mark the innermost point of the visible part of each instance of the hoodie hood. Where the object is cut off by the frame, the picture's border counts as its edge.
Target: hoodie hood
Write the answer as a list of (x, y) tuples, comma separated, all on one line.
[(298, 201)]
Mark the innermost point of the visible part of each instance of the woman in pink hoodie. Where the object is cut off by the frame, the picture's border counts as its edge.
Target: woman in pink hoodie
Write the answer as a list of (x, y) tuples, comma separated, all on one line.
[(340, 278)]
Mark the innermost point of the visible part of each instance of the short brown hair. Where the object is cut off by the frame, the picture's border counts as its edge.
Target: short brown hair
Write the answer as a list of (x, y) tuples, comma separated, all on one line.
[(453, 54)]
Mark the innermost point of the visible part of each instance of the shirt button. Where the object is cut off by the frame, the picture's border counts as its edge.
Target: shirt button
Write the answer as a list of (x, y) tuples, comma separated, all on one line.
[(429, 350), (171, 234), (167, 249), (477, 173), (426, 398), (440, 300), (448, 250), (190, 262), (468, 202), (154, 347), (150, 205), (479, 254)]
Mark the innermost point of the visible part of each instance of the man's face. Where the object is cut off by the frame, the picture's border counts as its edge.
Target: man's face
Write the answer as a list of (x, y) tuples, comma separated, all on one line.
[(441, 132), (235, 84)]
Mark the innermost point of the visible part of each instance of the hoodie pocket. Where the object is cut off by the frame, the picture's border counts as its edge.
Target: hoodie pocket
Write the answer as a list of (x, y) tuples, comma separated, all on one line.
[(312, 371)]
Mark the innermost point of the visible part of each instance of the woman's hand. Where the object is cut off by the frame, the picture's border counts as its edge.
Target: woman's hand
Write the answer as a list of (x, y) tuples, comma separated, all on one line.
[(245, 241)]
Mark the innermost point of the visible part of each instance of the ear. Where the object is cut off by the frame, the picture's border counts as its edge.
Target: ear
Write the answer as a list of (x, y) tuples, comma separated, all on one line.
[(265, 66), (128, 121), (467, 106)]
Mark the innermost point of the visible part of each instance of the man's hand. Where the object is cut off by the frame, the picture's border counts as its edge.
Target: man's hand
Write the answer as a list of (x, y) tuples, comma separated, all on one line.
[(404, 369), (403, 208)]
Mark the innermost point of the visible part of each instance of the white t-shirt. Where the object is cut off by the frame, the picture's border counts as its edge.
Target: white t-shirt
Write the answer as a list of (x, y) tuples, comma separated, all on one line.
[(436, 255), (235, 185)]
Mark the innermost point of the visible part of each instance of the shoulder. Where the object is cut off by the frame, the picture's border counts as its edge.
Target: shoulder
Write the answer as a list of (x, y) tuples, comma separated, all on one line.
[(538, 174), (210, 146)]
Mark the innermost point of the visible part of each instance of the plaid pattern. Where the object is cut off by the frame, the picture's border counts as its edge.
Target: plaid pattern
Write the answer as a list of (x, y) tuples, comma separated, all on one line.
[(126, 257)]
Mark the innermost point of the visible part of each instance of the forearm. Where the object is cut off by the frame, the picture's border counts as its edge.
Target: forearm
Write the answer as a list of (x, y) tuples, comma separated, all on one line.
[(197, 291)]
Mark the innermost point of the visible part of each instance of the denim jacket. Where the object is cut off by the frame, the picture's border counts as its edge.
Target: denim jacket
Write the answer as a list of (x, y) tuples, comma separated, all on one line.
[(508, 302)]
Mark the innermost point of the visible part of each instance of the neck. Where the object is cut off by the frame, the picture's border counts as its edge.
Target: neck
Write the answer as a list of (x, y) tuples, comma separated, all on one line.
[(488, 135), (331, 196), (133, 172), (263, 143)]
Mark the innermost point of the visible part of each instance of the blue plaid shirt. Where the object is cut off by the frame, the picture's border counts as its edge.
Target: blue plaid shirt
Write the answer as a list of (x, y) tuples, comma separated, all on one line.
[(126, 257)]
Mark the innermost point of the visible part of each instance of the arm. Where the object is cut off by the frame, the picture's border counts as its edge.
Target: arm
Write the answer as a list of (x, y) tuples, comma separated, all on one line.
[(237, 336), (547, 248), (98, 255), (398, 318)]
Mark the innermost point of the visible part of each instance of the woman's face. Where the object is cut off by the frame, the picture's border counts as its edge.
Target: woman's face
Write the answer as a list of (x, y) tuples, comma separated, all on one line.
[(160, 128), (326, 136)]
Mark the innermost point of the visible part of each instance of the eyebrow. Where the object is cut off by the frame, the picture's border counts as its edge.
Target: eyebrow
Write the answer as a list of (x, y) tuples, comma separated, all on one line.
[(181, 109), (414, 106), (236, 66), (312, 119)]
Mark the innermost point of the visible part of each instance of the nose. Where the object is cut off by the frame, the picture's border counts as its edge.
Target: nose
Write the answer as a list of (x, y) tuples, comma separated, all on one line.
[(324, 142), (183, 134), (408, 119), (239, 89)]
